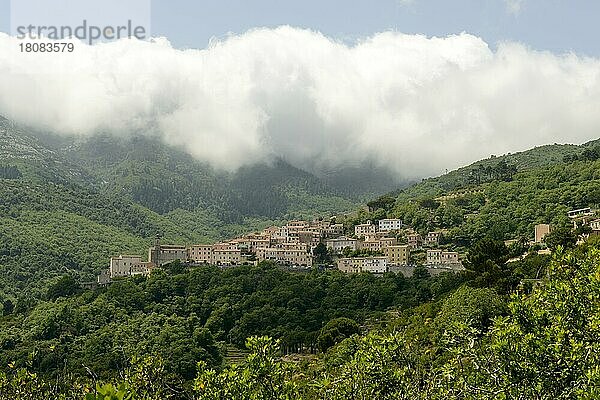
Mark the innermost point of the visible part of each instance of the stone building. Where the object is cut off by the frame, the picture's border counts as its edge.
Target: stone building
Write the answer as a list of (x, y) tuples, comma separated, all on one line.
[(161, 254), (540, 230), (441, 257), (339, 244), (365, 229), (397, 255)]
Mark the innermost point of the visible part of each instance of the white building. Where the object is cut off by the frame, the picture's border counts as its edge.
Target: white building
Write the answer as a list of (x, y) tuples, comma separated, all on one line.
[(441, 257), (386, 225), (339, 244), (581, 212), (375, 265)]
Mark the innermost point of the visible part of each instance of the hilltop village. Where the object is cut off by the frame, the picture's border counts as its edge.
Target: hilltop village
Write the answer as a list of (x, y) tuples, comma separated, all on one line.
[(373, 247)]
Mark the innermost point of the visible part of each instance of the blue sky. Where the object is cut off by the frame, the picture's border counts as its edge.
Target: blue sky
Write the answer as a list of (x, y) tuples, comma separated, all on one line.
[(556, 25)]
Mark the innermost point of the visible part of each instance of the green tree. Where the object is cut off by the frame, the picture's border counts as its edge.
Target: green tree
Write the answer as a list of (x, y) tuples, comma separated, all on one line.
[(561, 236), (384, 202), (262, 377), (335, 331), (547, 347), (64, 287), (475, 307), (7, 307), (321, 254), (486, 263)]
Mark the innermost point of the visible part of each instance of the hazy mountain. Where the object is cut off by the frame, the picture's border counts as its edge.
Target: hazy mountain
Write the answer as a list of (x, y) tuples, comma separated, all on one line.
[(67, 205), (35, 159), (164, 178)]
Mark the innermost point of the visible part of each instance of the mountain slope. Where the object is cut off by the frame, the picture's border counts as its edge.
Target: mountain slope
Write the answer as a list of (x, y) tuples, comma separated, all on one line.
[(164, 179), (496, 199), (66, 206), (538, 157), (34, 160)]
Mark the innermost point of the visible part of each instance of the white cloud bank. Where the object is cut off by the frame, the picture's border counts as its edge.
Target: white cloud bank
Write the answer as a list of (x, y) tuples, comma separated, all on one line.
[(412, 104)]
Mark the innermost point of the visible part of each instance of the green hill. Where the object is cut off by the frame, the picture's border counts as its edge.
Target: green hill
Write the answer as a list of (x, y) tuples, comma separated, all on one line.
[(500, 197), (68, 205), (163, 179), (537, 157)]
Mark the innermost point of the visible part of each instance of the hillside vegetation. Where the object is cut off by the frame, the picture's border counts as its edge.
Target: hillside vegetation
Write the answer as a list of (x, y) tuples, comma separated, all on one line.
[(104, 329), (496, 199), (67, 206), (498, 330), (474, 343), (465, 177)]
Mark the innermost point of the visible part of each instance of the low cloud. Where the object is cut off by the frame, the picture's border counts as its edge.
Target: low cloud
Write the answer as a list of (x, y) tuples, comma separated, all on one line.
[(412, 104)]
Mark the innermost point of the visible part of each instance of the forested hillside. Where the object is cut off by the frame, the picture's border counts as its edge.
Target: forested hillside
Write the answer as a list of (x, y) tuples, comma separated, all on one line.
[(164, 179), (500, 329), (471, 345), (67, 206), (496, 199), (164, 314), (141, 339), (487, 170)]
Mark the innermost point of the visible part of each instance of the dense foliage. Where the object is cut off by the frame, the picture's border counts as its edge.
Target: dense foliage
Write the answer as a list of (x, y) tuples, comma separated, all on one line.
[(542, 344), (164, 179), (546, 347), (500, 330), (9, 172), (180, 314), (500, 209)]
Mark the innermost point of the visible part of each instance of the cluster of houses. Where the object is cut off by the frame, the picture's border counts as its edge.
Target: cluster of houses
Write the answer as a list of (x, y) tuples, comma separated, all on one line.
[(293, 245), (394, 257)]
